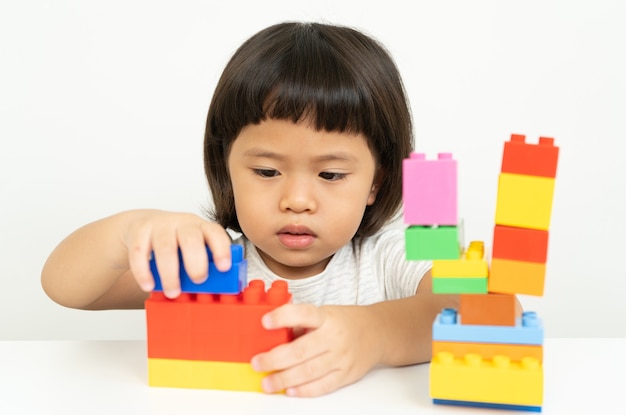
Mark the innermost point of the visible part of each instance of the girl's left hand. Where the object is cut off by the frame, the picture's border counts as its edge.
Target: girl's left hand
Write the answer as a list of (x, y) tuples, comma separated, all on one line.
[(338, 345)]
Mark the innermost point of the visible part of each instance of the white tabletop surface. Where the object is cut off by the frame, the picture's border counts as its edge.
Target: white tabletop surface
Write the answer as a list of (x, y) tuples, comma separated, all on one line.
[(582, 376)]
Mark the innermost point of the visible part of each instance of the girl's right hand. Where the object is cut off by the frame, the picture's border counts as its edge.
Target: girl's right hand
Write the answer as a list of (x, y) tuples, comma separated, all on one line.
[(163, 233)]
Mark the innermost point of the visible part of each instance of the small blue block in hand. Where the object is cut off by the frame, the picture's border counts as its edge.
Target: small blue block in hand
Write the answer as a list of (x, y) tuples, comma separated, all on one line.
[(230, 282)]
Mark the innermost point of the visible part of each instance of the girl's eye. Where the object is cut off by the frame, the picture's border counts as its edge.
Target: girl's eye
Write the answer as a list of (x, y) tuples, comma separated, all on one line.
[(332, 176), (266, 172)]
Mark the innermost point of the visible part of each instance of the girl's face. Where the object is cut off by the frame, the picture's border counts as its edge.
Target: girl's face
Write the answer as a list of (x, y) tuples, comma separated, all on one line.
[(300, 194)]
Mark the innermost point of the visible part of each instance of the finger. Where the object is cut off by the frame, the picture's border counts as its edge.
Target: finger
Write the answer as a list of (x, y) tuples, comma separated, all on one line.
[(139, 252), (300, 350), (320, 386), (294, 315), (195, 258), (165, 248), (305, 373), (219, 243), (290, 354)]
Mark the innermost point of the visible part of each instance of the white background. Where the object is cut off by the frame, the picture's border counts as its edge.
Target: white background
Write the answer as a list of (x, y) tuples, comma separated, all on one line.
[(102, 109)]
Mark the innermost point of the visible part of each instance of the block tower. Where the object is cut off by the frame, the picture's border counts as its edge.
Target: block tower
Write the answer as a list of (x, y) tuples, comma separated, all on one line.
[(206, 337), (488, 353)]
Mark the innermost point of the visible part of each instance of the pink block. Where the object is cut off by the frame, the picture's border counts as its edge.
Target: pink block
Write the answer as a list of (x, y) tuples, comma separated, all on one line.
[(429, 190)]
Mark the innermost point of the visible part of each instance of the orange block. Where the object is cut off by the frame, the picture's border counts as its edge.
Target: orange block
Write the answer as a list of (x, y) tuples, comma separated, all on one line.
[(489, 309), (516, 277), (489, 350), (215, 327)]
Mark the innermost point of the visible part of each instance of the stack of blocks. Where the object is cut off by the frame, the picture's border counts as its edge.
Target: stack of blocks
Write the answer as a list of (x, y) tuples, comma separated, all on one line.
[(487, 353), (206, 337)]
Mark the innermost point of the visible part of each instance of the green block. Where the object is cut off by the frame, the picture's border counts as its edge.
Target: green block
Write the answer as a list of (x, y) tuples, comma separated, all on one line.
[(460, 285), (428, 243)]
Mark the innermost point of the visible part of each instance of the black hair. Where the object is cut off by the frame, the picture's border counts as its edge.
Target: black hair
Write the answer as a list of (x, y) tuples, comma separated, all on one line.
[(337, 78)]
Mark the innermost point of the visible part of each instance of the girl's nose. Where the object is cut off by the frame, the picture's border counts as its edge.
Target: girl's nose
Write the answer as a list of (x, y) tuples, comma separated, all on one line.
[(298, 196)]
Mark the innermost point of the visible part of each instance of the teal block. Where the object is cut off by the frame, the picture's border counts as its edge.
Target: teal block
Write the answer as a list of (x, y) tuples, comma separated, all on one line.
[(428, 243)]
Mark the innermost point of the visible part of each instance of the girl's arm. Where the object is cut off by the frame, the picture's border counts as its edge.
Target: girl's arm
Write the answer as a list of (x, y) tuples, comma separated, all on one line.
[(407, 324), (105, 264)]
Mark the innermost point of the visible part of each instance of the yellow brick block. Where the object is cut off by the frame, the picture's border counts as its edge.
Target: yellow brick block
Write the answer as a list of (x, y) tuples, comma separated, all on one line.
[(498, 380), (472, 264), (524, 201), (198, 374)]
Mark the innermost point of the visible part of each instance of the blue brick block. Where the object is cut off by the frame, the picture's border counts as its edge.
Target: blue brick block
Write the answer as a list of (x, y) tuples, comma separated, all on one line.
[(230, 282), (448, 327), (488, 405)]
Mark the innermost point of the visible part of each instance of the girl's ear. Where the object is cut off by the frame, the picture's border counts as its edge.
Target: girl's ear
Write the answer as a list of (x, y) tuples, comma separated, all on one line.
[(378, 179)]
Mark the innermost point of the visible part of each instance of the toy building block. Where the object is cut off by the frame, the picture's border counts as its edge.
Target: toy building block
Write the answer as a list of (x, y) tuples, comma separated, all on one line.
[(471, 264), (229, 282), (489, 309), (499, 380), (169, 325), (215, 327), (539, 159), (448, 327), (460, 285), (489, 350), (429, 189), (432, 242), (520, 244), (516, 277), (197, 374), (524, 201)]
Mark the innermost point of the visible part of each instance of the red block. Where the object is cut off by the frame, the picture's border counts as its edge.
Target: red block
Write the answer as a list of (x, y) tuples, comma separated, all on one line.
[(168, 323), (215, 327), (520, 244), (530, 159)]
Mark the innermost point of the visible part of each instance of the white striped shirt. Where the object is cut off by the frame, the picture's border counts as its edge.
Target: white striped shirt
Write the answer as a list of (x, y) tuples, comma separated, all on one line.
[(358, 274)]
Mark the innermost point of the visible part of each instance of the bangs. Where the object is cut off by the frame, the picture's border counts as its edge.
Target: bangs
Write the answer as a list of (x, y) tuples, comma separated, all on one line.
[(325, 97), (315, 80)]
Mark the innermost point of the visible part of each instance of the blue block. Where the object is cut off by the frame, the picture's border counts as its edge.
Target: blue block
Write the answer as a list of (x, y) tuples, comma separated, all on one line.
[(448, 327), (488, 405), (230, 282)]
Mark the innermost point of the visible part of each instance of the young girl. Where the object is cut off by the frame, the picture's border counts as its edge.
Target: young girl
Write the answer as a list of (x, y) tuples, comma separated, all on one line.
[(304, 143)]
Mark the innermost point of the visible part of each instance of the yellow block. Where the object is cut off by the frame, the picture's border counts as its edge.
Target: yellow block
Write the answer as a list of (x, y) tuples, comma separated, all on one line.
[(198, 374), (516, 277), (472, 264), (524, 201), (498, 380)]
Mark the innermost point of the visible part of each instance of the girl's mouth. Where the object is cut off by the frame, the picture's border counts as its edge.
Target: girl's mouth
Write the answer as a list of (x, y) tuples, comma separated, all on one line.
[(296, 236)]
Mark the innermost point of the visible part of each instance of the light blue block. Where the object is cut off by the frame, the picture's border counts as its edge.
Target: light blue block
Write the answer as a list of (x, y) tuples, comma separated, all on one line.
[(448, 327)]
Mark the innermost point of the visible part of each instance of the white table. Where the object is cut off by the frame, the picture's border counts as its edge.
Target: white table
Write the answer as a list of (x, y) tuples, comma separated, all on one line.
[(582, 376)]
